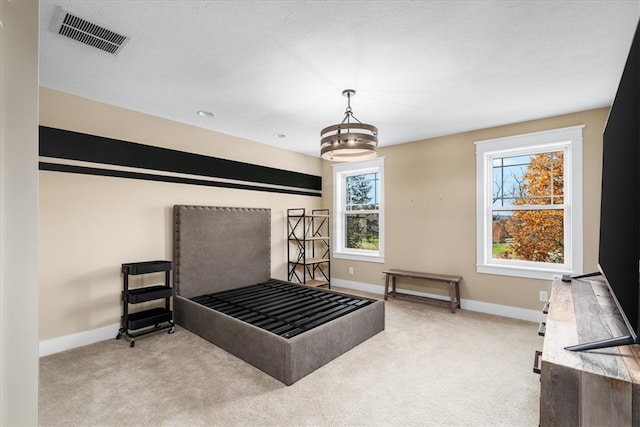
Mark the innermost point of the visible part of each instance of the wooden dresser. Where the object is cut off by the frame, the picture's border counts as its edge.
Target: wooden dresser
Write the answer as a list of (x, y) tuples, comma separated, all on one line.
[(593, 388)]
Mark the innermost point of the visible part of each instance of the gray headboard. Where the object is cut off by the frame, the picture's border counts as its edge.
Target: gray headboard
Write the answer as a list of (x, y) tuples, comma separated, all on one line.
[(219, 248)]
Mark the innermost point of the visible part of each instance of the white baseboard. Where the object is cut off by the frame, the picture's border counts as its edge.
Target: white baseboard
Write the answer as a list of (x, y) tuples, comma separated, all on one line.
[(67, 342), (465, 304)]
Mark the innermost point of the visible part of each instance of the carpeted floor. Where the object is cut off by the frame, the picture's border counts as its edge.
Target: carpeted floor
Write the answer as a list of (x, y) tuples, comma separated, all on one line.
[(428, 368)]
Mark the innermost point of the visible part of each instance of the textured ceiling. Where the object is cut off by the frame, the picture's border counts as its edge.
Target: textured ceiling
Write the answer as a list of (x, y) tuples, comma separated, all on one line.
[(420, 68)]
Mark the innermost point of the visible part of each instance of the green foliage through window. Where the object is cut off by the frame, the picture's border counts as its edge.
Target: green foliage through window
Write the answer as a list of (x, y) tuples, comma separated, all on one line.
[(362, 211)]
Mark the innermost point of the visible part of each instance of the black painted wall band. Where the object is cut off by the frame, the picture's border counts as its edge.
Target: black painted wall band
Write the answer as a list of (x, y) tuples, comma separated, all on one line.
[(56, 167), (64, 144)]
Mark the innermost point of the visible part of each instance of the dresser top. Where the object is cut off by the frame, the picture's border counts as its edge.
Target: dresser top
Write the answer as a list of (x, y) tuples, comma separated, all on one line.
[(583, 311)]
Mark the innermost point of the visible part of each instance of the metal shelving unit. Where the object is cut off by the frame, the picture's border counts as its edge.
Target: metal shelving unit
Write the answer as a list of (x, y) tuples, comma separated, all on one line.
[(309, 247)]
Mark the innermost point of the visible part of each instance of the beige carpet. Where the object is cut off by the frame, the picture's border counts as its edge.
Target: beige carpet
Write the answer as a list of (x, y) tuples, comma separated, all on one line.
[(428, 368)]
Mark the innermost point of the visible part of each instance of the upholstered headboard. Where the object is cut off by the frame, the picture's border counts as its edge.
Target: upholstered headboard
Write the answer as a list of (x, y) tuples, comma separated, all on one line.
[(219, 248)]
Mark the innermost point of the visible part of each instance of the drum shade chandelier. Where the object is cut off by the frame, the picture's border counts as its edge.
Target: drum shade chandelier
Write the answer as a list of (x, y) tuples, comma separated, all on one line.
[(351, 140)]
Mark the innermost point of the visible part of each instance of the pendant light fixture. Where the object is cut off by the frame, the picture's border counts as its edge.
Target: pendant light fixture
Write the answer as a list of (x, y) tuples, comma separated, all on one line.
[(351, 140)]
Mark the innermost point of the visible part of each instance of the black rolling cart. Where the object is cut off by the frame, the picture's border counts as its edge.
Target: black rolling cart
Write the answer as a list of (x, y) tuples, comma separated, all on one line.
[(151, 320)]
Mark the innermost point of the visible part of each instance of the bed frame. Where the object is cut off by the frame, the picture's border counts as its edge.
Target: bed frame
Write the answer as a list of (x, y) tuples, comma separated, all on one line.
[(223, 252)]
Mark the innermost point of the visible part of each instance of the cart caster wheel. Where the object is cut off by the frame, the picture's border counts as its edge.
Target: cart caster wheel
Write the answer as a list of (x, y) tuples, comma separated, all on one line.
[(172, 330), (118, 336), (133, 344)]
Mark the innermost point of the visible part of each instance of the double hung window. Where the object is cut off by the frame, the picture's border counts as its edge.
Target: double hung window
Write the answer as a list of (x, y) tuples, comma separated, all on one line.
[(529, 204), (359, 210)]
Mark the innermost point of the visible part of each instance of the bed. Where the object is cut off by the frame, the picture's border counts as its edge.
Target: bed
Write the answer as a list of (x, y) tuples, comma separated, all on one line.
[(224, 293)]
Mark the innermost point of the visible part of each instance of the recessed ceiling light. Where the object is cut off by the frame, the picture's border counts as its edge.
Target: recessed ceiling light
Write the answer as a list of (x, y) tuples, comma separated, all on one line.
[(279, 135), (203, 113)]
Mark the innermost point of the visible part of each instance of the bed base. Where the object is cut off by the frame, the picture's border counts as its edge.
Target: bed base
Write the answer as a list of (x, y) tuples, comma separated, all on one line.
[(285, 359), (282, 308)]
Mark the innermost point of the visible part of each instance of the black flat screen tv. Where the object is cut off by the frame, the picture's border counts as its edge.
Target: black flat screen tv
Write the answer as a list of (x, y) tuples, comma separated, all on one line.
[(619, 248)]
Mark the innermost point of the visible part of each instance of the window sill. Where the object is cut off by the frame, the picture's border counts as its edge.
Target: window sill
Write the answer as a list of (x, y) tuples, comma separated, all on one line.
[(358, 257), (520, 272)]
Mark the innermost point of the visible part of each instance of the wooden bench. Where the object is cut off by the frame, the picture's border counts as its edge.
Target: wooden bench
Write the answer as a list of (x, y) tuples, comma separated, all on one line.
[(453, 281)]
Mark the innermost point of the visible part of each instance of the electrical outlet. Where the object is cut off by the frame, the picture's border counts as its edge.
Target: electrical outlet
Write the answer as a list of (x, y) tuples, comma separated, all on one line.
[(350, 270), (543, 296)]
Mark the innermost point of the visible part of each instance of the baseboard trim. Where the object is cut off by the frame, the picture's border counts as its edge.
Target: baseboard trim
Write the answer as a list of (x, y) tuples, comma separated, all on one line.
[(68, 342), (465, 304)]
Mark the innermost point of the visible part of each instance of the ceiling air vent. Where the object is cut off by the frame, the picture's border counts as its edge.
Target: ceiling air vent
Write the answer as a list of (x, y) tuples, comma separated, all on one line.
[(89, 33)]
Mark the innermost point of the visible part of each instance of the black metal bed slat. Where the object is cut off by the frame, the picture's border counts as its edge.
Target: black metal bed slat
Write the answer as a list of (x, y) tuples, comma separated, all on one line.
[(250, 293), (317, 313), (225, 306), (272, 304), (313, 309), (274, 301), (251, 296), (301, 316), (251, 317), (264, 322), (259, 305), (304, 310), (293, 313), (287, 300), (302, 305), (213, 302), (219, 304), (255, 306), (270, 324), (282, 308), (235, 310), (308, 312), (292, 333), (231, 310), (288, 331), (299, 312), (324, 318), (293, 306)]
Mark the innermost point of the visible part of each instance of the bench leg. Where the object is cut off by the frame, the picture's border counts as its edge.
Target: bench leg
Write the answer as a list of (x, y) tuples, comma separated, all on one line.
[(452, 296), (386, 287)]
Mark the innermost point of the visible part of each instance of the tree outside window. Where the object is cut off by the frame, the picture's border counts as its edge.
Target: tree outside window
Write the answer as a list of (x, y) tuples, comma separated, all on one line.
[(528, 207), (362, 211)]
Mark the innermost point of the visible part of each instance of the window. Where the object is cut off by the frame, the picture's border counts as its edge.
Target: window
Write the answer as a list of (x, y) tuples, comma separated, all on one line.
[(529, 204), (358, 202)]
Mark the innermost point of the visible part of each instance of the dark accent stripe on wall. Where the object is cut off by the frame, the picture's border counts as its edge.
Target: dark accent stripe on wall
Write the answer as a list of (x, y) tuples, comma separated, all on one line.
[(64, 144), (56, 167)]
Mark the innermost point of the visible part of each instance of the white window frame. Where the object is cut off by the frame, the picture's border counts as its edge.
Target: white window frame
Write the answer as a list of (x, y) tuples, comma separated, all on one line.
[(568, 140), (340, 172)]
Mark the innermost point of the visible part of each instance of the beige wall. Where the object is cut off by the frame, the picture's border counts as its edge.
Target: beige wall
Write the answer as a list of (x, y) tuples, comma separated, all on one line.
[(90, 225), (430, 209), (18, 212)]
